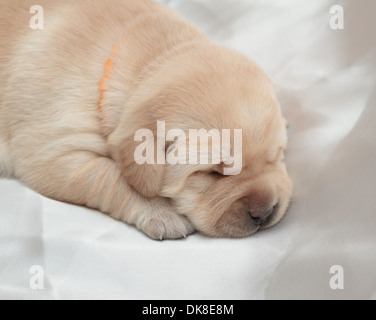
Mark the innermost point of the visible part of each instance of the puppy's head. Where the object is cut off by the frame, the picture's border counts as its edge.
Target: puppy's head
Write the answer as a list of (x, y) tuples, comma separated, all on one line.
[(210, 88)]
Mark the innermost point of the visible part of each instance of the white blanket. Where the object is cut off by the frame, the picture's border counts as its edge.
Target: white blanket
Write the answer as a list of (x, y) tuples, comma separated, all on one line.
[(326, 84)]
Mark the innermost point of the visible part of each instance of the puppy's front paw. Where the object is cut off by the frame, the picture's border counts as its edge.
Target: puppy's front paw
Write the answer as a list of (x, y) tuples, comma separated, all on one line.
[(164, 224)]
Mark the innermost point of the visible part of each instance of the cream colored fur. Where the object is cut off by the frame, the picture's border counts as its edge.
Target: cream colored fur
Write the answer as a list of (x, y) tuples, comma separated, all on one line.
[(54, 139)]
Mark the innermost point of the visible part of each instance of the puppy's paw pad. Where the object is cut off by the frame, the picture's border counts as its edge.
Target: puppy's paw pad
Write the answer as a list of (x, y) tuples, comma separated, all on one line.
[(163, 227)]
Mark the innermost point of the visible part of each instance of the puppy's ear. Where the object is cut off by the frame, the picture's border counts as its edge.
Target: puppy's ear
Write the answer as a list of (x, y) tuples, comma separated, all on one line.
[(145, 177)]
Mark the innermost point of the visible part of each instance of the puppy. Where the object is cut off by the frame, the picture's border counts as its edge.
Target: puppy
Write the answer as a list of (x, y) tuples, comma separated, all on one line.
[(75, 92)]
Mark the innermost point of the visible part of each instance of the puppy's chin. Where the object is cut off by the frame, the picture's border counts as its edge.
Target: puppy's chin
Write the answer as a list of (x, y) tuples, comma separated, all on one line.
[(234, 223)]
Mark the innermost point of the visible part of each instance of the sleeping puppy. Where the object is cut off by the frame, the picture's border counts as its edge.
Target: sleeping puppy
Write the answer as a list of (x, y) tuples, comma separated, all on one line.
[(77, 89)]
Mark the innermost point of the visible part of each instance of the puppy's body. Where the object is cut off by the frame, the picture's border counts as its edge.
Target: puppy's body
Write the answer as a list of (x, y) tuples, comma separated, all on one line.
[(54, 138)]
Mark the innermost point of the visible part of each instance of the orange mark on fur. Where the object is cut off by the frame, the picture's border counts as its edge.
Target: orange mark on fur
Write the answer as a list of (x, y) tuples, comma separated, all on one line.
[(108, 70)]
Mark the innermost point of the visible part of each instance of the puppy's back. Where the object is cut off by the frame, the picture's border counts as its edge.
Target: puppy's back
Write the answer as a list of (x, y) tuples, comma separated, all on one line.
[(55, 71)]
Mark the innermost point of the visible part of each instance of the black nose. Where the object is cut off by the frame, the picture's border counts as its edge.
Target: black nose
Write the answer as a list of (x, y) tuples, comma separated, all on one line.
[(260, 216)]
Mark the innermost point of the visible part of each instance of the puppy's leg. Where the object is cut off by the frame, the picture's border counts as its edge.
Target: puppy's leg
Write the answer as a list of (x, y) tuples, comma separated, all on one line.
[(88, 179)]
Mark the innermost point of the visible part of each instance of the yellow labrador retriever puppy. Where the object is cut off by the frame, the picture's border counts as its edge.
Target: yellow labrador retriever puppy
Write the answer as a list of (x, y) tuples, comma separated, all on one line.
[(86, 84)]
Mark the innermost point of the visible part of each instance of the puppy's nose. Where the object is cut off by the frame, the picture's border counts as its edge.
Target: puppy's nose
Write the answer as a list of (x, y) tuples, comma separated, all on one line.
[(259, 216)]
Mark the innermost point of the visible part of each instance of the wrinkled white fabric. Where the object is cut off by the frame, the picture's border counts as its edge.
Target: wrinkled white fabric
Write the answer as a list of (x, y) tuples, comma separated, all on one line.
[(326, 82)]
